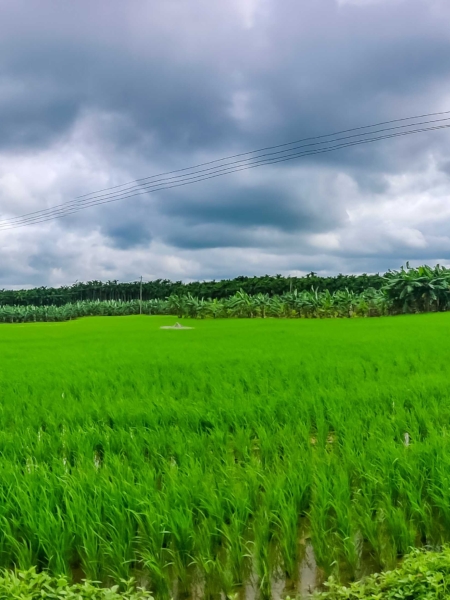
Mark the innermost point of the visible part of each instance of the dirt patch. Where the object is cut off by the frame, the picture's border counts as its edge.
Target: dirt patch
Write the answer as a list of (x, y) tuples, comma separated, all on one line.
[(176, 326)]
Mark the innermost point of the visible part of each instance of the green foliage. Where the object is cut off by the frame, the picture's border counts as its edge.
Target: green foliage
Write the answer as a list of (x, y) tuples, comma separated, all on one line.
[(422, 576), (30, 585), (423, 289), (311, 304), (198, 457), (419, 289), (409, 290), (162, 288)]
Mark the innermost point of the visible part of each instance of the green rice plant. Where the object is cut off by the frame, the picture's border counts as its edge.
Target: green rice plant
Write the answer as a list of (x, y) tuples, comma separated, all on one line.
[(320, 519), (262, 554), (287, 536), (199, 457), (367, 520), (154, 556), (181, 529), (344, 521), (206, 557)]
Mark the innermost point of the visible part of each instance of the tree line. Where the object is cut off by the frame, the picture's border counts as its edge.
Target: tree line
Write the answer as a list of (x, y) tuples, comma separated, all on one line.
[(409, 290), (163, 288), (313, 304)]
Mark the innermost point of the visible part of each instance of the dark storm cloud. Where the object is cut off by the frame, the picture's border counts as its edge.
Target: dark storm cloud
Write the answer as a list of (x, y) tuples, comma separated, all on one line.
[(129, 235), (47, 259), (28, 124), (445, 167), (131, 89), (206, 236), (46, 81), (255, 207), (315, 68), (228, 215)]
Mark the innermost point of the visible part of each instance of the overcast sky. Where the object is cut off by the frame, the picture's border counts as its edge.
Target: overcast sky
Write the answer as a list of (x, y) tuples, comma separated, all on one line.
[(94, 94)]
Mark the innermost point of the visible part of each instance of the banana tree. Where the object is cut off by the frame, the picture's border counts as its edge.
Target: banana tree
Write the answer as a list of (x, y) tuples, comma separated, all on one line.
[(175, 304), (216, 308), (417, 290), (242, 304), (262, 302)]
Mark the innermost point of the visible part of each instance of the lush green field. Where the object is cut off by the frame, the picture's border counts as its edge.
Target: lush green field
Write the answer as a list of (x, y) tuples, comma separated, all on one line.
[(214, 453)]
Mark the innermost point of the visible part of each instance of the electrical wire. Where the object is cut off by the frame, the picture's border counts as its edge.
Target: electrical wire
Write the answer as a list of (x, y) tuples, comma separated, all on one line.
[(62, 212), (272, 148), (188, 178), (234, 163), (88, 197)]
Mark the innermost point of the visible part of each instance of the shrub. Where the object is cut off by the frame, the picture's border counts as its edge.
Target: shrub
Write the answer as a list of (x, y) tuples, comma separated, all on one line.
[(422, 575)]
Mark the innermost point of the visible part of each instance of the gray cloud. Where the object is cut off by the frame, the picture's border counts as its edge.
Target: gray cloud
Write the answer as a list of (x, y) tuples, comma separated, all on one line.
[(129, 235), (254, 207), (98, 94)]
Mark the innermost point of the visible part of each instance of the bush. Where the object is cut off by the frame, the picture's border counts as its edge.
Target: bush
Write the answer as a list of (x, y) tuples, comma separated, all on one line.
[(422, 575), (29, 585)]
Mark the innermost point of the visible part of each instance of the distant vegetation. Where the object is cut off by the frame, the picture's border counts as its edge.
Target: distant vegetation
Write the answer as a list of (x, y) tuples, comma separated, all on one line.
[(162, 288), (410, 290), (312, 304)]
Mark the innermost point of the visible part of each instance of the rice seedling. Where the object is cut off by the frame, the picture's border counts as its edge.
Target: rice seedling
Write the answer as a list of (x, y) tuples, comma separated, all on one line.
[(201, 458)]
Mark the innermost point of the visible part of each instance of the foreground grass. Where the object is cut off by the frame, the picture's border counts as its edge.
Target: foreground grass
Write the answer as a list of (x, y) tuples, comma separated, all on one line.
[(202, 455)]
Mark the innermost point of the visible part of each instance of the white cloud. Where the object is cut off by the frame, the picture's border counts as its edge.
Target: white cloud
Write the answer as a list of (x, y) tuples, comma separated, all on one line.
[(249, 10), (366, 2), (87, 106)]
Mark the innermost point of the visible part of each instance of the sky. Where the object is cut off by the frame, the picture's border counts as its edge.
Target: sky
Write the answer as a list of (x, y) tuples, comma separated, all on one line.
[(95, 94)]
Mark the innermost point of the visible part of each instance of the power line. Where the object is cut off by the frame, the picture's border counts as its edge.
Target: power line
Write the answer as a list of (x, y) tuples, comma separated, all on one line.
[(65, 211), (272, 148), (89, 197), (249, 161), (220, 169)]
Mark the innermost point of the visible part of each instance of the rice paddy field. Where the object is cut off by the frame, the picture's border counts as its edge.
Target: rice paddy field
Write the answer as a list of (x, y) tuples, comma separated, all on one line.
[(242, 456)]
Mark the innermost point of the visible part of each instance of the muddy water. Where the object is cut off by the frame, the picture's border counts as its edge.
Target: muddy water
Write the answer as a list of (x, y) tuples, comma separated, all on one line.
[(309, 577)]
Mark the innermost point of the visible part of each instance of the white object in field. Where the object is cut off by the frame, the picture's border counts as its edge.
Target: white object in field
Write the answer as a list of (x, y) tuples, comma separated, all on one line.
[(176, 326), (406, 438)]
